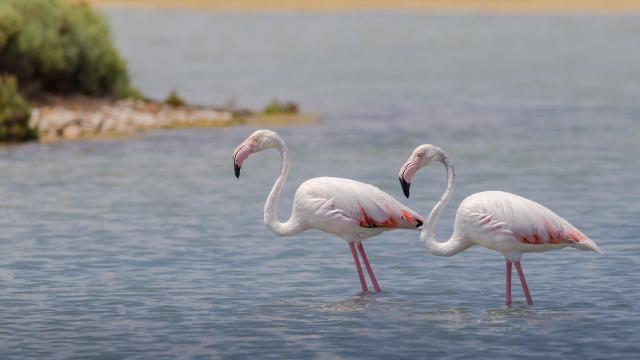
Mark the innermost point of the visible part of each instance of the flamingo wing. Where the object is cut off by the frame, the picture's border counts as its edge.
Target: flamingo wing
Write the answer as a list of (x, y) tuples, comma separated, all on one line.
[(364, 204), (501, 213)]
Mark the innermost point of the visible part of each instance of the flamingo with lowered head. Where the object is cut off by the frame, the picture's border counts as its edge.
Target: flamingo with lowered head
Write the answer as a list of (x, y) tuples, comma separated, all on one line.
[(348, 209), (504, 222)]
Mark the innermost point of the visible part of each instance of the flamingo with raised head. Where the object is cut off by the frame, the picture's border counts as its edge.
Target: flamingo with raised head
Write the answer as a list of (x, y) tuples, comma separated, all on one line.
[(348, 209), (504, 222)]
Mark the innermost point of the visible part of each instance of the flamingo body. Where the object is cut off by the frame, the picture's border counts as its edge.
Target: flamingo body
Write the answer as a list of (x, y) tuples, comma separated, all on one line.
[(497, 220), (348, 209), (512, 225)]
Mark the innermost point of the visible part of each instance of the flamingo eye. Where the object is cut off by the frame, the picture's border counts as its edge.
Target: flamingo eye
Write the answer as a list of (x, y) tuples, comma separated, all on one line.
[(421, 155)]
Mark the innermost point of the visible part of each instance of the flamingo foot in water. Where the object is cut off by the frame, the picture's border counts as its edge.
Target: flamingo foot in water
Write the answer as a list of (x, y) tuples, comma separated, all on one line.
[(363, 283), (508, 283), (369, 268), (523, 282)]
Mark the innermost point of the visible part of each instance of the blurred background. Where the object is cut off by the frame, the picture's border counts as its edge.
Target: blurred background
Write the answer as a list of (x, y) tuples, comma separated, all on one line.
[(146, 246)]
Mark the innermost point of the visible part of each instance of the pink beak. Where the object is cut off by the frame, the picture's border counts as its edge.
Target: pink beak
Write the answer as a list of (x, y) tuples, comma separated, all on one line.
[(241, 154), (407, 172)]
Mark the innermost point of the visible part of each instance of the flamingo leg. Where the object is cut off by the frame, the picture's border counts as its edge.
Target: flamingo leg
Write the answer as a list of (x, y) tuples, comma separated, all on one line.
[(358, 267), (508, 289), (369, 268), (523, 282)]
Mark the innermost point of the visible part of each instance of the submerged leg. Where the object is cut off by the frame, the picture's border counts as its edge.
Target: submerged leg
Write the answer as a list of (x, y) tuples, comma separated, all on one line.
[(369, 268), (523, 282), (357, 262), (508, 289)]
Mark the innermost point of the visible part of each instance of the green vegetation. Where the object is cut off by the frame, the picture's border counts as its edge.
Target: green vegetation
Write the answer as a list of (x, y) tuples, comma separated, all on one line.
[(174, 99), (14, 112), (277, 107), (54, 46)]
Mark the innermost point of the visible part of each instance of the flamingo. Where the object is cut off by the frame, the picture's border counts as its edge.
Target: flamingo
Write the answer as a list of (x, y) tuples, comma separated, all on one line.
[(500, 221), (348, 209)]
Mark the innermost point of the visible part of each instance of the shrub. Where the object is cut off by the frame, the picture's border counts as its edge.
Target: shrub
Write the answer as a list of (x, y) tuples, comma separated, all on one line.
[(174, 99), (54, 46), (277, 107), (14, 112)]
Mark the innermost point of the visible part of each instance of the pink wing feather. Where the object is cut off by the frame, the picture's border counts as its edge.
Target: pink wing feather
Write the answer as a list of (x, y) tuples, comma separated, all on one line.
[(526, 221), (365, 204)]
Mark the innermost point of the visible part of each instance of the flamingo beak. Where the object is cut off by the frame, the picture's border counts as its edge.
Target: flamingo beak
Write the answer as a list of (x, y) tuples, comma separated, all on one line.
[(407, 172), (241, 153), (405, 186)]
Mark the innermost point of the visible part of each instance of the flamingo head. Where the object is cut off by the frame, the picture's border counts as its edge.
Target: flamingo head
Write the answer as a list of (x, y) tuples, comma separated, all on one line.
[(256, 142), (422, 156)]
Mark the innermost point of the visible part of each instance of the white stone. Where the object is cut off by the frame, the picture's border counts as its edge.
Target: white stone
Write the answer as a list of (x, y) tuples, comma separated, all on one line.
[(71, 132)]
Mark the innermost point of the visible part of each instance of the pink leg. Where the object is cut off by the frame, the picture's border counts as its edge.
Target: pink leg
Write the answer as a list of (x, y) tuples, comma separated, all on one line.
[(357, 261), (369, 268), (523, 282), (508, 290)]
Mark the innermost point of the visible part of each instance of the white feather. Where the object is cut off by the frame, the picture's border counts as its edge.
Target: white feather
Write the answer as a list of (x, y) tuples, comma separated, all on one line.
[(338, 206), (510, 223)]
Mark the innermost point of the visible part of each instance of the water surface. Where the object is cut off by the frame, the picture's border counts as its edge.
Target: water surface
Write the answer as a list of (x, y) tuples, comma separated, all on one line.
[(150, 248)]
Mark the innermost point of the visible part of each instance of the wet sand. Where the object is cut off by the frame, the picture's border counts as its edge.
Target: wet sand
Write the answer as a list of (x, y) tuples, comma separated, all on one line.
[(529, 6)]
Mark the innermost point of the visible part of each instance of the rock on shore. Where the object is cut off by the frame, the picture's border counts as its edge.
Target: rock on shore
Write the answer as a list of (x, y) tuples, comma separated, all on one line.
[(125, 117)]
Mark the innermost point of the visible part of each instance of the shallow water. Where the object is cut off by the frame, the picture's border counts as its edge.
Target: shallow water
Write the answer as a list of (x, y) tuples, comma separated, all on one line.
[(150, 248)]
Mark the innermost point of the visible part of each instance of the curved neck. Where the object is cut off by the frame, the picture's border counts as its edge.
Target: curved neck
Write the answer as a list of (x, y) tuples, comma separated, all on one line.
[(455, 244), (291, 227)]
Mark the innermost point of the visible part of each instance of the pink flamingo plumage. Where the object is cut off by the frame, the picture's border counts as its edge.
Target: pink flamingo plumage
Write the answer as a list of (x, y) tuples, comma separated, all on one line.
[(504, 222), (348, 209)]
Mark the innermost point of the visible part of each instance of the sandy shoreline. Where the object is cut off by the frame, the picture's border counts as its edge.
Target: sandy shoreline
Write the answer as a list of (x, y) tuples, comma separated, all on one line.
[(79, 117), (525, 6)]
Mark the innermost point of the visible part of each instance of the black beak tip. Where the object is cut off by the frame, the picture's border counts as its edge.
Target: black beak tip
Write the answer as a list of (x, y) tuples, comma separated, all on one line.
[(405, 187), (236, 169)]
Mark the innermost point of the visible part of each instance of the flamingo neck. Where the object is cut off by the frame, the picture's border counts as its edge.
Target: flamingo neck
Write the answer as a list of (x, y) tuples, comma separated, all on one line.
[(292, 226), (455, 244)]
